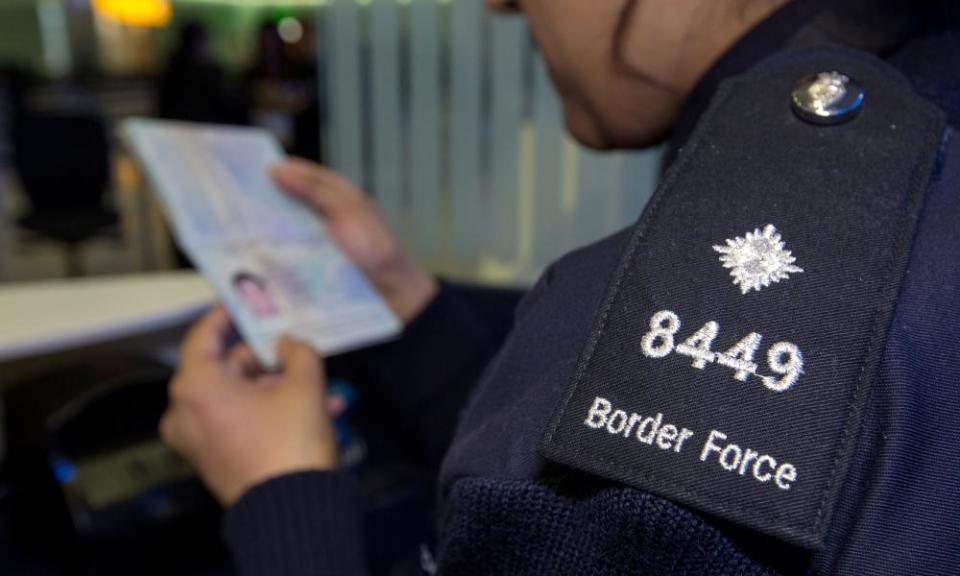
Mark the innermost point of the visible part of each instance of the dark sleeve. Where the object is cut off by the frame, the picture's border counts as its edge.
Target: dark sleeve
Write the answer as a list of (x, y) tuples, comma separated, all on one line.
[(428, 373), (301, 524)]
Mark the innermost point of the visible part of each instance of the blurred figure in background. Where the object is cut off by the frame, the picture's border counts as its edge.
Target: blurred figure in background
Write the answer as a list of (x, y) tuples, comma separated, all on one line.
[(283, 85), (310, 123), (8, 103), (194, 88)]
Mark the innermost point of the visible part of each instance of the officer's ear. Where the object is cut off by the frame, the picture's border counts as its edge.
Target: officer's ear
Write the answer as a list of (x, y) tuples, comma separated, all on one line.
[(504, 6)]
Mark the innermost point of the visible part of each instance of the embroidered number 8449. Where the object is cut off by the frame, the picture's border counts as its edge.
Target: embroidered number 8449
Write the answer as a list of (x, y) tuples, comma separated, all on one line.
[(783, 358)]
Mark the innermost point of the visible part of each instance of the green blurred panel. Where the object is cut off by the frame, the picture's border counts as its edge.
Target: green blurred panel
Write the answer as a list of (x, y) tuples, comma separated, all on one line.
[(20, 42)]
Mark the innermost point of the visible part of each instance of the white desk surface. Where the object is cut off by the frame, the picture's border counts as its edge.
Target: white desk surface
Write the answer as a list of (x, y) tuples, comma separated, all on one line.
[(38, 318)]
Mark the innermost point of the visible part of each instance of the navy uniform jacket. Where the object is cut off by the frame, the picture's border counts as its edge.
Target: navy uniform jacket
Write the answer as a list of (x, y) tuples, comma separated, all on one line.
[(848, 459)]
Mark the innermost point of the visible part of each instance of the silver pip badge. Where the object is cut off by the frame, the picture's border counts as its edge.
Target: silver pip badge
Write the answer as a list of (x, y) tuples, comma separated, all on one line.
[(757, 259)]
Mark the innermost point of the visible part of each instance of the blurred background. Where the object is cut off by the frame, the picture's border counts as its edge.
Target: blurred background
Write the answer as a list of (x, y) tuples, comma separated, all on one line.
[(444, 114)]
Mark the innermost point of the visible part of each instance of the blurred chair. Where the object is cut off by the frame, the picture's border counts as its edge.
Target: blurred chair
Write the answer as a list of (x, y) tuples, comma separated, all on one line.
[(64, 168)]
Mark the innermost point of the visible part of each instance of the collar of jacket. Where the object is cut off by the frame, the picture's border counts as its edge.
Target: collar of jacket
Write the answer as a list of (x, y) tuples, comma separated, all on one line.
[(924, 44), (766, 38)]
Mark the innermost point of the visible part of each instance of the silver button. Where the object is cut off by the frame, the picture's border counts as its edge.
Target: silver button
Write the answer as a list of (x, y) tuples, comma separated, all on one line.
[(827, 98)]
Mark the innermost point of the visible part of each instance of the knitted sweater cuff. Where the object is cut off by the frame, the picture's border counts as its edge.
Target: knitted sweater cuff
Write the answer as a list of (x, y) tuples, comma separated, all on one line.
[(304, 523)]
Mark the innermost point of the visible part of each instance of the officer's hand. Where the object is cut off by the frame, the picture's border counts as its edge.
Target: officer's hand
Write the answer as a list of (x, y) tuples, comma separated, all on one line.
[(240, 426), (358, 228)]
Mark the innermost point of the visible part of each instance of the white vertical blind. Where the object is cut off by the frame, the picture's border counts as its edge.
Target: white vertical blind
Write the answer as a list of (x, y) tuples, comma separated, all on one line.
[(424, 144), (467, 21), (386, 137), (461, 139), (551, 224), (597, 196), (507, 40), (342, 53)]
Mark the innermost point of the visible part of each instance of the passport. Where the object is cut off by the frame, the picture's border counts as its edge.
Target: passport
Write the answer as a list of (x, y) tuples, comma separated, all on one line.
[(268, 257)]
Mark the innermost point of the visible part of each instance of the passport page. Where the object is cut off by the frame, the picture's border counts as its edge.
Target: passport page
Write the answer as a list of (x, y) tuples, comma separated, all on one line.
[(268, 257)]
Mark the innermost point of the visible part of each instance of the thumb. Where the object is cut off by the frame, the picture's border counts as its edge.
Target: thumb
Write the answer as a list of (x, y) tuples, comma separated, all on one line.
[(206, 337), (298, 360)]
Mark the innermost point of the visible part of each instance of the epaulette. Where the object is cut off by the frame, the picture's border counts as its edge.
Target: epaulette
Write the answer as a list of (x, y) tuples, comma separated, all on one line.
[(730, 360)]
